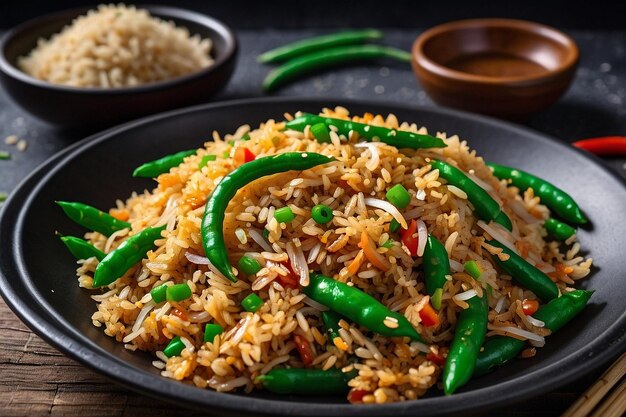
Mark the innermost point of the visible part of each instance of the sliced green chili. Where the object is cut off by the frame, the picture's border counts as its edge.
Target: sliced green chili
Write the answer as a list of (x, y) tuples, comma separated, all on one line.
[(487, 209), (329, 58), (556, 199), (252, 303), (4, 155), (284, 215), (127, 254), (81, 249), (394, 226), (159, 294), (295, 49), (157, 167), (321, 133), (436, 266), (211, 330), (401, 139), (213, 219), (248, 265), (525, 274), (469, 335), (321, 214), (499, 350), (435, 299), (92, 218), (205, 160), (388, 244), (306, 381), (174, 347), (177, 292), (558, 230), (3, 197), (472, 268), (359, 307), (398, 196)]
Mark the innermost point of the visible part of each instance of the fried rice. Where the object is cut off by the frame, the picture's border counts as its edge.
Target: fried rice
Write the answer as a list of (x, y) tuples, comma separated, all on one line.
[(389, 369)]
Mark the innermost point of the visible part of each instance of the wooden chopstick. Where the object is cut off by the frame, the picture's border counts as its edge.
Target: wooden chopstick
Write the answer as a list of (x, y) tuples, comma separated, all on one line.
[(615, 403)]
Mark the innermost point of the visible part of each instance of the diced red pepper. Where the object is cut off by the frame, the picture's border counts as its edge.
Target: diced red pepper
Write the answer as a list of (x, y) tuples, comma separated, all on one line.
[(181, 314), (243, 155), (604, 146), (304, 348), (409, 237), (429, 316), (436, 358), (291, 279), (355, 396), (530, 307)]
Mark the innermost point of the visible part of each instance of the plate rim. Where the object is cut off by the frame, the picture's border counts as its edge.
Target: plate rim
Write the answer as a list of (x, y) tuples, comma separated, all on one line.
[(612, 342)]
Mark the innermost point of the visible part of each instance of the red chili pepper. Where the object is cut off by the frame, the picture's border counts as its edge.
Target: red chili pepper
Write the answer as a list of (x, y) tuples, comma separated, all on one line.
[(355, 396), (409, 237), (180, 314), (429, 316), (604, 146), (243, 155), (304, 348), (436, 358), (530, 307)]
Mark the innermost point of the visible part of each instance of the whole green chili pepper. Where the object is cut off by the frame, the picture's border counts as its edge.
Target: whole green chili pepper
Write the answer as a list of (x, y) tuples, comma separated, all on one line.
[(331, 324), (487, 209), (525, 274), (306, 381), (328, 58), (359, 307), (556, 199), (213, 219), (127, 254), (92, 218), (398, 138), (499, 350), (294, 49), (159, 166), (81, 249), (469, 335), (436, 265), (558, 230)]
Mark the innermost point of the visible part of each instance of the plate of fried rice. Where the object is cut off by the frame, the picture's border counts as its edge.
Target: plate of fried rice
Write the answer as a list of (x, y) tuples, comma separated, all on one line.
[(302, 257)]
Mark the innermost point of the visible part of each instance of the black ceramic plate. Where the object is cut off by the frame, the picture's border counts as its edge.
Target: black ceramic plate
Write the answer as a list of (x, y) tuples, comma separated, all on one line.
[(39, 284)]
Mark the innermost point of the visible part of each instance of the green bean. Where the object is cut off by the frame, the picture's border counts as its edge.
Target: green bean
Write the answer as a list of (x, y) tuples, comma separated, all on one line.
[(295, 49), (558, 230), (330, 58), (436, 265), (487, 209), (469, 335), (157, 167), (127, 254), (525, 274), (212, 229), (556, 199), (305, 381), (81, 249), (499, 350), (92, 218), (401, 139), (359, 307)]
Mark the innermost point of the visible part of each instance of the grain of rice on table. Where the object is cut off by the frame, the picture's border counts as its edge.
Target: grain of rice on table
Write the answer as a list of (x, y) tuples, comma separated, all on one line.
[(254, 343), (117, 46)]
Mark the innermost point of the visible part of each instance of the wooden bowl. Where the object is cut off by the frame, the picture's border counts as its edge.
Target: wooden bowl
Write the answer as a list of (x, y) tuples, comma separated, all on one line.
[(500, 67)]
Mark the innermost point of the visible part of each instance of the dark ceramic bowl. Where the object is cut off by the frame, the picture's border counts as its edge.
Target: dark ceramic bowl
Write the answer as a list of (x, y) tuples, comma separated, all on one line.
[(90, 108), (500, 67)]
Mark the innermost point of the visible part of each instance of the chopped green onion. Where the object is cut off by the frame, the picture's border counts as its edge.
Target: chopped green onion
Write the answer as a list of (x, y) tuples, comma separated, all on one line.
[(5, 155), (394, 226), (205, 160), (3, 197), (174, 347), (178, 292), (435, 300), (231, 142), (388, 244), (471, 267), (266, 234), (246, 137), (321, 133), (398, 196), (284, 215), (211, 330), (158, 293), (321, 214), (248, 266), (226, 154), (252, 303)]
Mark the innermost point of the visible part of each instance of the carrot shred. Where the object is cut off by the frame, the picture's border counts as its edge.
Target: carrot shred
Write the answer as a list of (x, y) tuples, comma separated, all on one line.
[(354, 266), (120, 214), (371, 254), (429, 316)]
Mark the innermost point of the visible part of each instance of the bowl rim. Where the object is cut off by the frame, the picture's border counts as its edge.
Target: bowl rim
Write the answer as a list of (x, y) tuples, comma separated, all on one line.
[(421, 60), (165, 13)]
